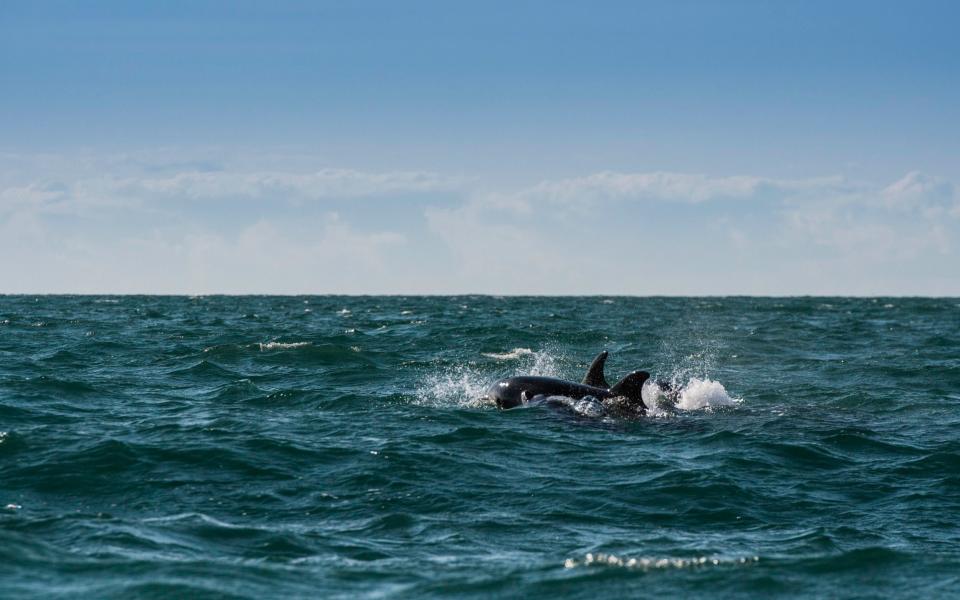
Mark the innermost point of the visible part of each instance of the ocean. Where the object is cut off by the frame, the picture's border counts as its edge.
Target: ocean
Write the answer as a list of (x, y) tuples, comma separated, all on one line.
[(337, 447)]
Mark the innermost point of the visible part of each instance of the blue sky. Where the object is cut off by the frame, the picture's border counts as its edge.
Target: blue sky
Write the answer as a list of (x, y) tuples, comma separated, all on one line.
[(444, 147)]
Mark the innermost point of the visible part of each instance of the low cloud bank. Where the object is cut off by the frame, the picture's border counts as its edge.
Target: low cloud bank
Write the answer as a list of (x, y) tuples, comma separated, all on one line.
[(132, 224)]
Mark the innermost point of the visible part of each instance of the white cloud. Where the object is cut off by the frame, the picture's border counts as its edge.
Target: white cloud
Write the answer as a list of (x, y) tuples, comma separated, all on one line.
[(681, 187), (317, 185), (688, 233), (31, 198), (187, 226), (666, 187), (91, 229), (133, 192), (327, 255), (931, 196)]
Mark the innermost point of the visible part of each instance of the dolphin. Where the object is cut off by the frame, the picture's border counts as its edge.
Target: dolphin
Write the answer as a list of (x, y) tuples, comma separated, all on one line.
[(518, 391)]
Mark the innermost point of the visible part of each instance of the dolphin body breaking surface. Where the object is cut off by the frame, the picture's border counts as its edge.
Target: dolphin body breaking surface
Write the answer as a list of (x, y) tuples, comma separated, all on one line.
[(528, 389)]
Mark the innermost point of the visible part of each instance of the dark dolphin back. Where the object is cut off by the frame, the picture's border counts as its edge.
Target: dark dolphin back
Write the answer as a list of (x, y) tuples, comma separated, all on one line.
[(514, 391), (550, 386)]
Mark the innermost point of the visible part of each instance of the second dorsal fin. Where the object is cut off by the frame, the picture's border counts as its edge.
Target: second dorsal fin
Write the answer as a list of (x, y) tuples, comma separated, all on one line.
[(631, 387), (594, 374)]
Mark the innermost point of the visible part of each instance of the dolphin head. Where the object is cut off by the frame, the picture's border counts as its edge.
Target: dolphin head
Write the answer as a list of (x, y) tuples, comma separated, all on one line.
[(506, 393)]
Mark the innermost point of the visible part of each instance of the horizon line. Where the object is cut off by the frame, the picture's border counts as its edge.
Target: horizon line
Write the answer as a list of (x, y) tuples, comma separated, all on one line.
[(483, 295)]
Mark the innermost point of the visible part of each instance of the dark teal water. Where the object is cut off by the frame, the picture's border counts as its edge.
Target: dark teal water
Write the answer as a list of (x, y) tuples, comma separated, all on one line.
[(333, 447)]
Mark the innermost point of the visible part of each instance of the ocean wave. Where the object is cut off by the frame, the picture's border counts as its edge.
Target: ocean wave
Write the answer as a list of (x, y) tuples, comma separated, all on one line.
[(602, 559), (10, 443), (266, 346), (237, 391), (55, 386), (206, 368), (363, 464), (194, 517), (511, 355)]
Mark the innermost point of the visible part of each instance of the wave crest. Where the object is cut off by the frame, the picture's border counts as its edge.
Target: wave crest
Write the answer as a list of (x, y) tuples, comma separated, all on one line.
[(511, 355), (646, 564), (266, 346)]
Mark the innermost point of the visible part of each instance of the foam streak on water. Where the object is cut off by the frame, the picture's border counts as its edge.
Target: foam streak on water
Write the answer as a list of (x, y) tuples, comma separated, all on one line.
[(158, 447)]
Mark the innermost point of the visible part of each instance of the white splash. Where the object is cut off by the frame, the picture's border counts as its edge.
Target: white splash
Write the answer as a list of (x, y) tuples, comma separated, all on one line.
[(265, 346), (696, 394), (646, 564), (466, 385), (460, 385), (544, 365), (704, 393), (541, 362), (512, 355)]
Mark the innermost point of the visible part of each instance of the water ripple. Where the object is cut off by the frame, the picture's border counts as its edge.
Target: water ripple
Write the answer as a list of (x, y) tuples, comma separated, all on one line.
[(244, 447)]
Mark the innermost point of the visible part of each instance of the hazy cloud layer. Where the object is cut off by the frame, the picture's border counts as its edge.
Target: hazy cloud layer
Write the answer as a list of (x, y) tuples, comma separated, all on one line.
[(164, 224)]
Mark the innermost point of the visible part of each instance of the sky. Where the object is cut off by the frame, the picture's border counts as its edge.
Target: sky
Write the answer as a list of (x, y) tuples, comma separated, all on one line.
[(524, 147)]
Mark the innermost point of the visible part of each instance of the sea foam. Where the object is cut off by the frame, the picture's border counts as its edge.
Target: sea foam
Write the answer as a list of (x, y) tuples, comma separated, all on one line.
[(696, 394), (647, 564), (265, 346), (511, 355)]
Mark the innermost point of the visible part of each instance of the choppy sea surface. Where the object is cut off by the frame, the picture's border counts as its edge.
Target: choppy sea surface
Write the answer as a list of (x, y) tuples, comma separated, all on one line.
[(250, 447)]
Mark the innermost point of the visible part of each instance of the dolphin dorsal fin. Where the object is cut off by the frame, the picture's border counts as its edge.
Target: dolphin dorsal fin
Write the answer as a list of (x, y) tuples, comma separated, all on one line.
[(631, 386), (594, 374)]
